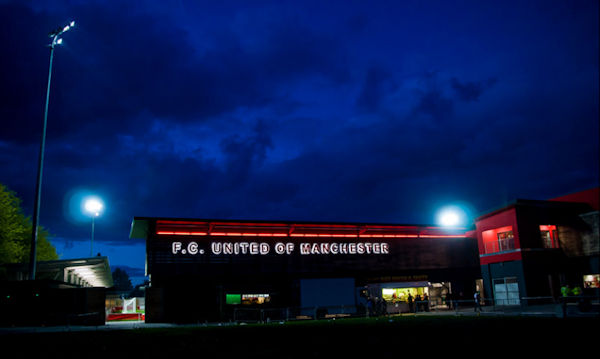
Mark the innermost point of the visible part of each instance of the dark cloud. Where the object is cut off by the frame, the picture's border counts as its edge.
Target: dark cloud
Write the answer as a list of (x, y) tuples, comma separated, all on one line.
[(378, 83), (435, 104), (470, 90), (279, 112), (148, 66), (243, 155)]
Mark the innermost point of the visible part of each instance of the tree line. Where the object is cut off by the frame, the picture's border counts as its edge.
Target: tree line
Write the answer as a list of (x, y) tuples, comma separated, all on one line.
[(15, 232)]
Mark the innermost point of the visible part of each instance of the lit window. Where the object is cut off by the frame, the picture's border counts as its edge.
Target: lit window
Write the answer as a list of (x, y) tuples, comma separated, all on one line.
[(394, 295), (233, 299), (506, 241), (591, 281), (498, 240), (250, 299), (549, 236)]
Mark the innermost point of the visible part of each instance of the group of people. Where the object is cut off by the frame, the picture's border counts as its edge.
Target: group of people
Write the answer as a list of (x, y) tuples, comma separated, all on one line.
[(574, 295), (417, 303), (376, 306), (567, 291), (379, 306), (452, 300)]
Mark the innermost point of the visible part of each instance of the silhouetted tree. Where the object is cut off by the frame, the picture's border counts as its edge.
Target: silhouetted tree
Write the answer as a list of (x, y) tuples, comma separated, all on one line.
[(121, 280)]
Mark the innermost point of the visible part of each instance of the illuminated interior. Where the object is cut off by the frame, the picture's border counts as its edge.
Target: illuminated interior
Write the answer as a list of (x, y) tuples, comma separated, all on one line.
[(498, 240), (233, 299), (549, 236), (591, 281), (251, 299), (393, 295), (247, 299)]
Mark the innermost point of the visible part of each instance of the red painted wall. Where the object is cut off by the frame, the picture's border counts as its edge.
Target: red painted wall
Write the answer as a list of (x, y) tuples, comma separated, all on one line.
[(591, 197), (499, 219)]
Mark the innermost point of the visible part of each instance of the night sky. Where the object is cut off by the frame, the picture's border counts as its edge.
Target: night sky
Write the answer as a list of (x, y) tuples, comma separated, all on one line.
[(346, 111)]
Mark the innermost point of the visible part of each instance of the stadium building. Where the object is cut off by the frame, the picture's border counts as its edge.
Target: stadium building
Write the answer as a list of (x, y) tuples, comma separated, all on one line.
[(208, 269)]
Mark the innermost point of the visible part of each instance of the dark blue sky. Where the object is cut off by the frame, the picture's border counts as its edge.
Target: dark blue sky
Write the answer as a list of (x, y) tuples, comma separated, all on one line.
[(315, 111)]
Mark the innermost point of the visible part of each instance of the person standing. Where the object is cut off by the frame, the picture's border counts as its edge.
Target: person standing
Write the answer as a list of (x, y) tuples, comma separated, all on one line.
[(410, 303), (565, 292), (369, 307), (449, 300), (477, 299)]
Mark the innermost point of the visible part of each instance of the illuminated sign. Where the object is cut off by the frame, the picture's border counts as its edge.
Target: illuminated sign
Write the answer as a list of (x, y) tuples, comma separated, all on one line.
[(281, 248)]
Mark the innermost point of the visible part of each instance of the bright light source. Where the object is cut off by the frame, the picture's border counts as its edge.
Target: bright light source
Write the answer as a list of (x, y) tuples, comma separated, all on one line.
[(66, 28), (451, 216), (72, 23), (449, 219), (59, 41), (93, 205)]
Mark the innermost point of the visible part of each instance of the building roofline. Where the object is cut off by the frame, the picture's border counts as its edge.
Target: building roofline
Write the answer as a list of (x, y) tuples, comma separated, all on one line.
[(95, 270), (580, 206), (139, 226)]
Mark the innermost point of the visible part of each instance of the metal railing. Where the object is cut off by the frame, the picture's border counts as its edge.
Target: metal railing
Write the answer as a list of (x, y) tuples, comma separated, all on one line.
[(265, 315), (501, 245)]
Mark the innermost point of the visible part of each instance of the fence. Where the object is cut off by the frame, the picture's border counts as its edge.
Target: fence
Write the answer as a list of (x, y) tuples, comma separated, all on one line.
[(538, 306), (265, 315)]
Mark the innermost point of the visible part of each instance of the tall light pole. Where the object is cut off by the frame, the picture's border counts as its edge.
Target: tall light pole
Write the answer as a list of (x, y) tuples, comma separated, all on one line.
[(93, 206), (56, 40)]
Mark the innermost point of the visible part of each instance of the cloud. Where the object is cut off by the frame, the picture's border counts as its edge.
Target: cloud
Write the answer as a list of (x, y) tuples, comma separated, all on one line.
[(471, 90), (377, 85), (106, 77), (244, 154), (435, 104), (231, 113)]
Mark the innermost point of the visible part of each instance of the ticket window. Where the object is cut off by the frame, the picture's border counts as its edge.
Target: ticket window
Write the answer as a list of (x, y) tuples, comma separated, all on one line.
[(394, 295), (247, 299)]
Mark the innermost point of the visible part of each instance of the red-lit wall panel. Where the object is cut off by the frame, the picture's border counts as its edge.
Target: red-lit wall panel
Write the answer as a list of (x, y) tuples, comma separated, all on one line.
[(499, 220)]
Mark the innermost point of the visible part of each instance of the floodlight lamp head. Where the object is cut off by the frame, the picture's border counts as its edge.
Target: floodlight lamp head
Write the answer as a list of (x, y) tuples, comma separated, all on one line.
[(55, 32), (61, 30), (93, 206)]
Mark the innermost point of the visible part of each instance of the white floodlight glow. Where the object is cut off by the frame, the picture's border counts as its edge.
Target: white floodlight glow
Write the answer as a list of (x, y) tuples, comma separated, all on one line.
[(59, 41), (72, 23), (451, 216), (66, 28), (93, 206), (449, 219)]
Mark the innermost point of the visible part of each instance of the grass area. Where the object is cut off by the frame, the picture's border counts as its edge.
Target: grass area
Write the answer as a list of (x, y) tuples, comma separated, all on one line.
[(375, 337)]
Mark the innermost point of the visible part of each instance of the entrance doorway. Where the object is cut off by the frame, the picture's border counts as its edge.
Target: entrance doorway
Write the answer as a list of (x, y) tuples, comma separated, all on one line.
[(506, 291)]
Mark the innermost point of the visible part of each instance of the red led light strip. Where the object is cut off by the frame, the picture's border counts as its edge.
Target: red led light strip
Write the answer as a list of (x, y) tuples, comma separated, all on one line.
[(310, 235), (179, 233)]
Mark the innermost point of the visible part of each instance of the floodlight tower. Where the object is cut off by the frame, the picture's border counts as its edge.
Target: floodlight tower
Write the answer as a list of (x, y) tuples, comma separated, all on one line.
[(56, 40)]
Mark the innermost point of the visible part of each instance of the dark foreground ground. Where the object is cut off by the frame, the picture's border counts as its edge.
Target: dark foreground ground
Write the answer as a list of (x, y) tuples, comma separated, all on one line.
[(394, 337)]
